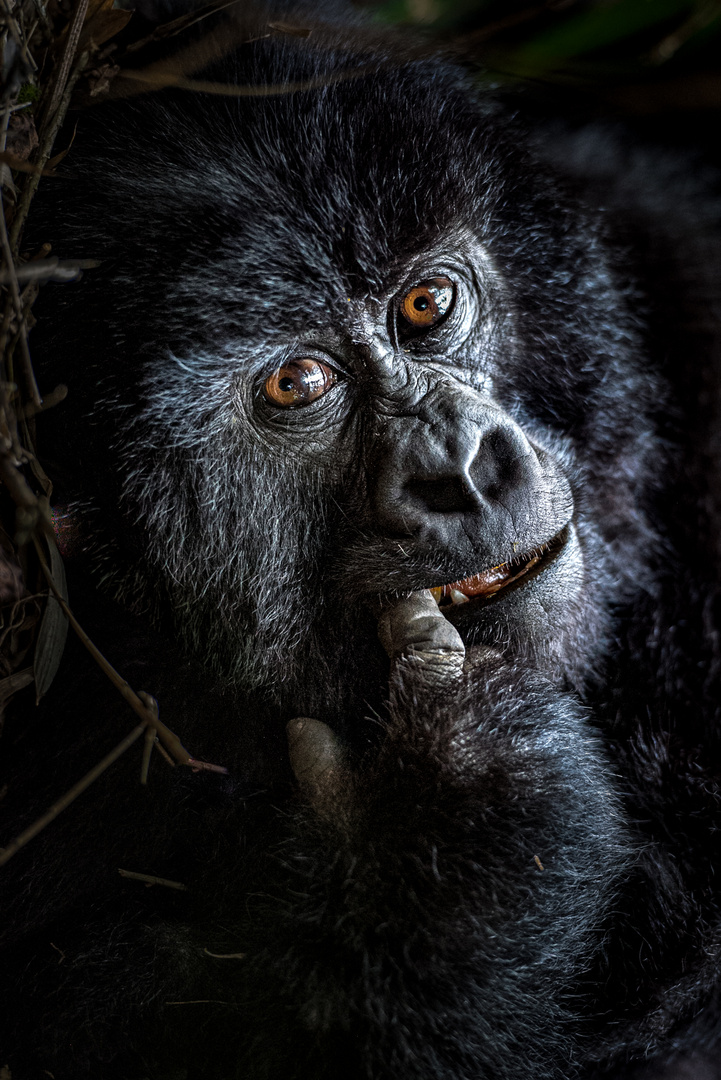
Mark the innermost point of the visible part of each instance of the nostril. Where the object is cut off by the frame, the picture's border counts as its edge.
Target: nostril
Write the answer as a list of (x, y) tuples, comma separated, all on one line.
[(501, 464), (439, 496)]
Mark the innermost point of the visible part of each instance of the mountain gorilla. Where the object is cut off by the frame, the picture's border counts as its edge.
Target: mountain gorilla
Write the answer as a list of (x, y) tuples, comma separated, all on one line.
[(391, 436)]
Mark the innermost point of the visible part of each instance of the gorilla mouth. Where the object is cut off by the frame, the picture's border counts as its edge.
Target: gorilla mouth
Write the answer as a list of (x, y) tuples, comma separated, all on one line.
[(487, 584)]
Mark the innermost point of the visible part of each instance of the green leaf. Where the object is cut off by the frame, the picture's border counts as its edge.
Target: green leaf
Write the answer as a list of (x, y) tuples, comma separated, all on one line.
[(601, 25)]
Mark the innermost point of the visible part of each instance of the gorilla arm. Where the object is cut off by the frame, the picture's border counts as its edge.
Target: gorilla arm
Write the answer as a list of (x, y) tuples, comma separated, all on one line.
[(424, 931)]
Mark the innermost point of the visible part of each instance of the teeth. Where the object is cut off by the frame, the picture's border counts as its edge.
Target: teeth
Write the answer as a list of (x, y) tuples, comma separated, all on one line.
[(486, 583), (447, 595)]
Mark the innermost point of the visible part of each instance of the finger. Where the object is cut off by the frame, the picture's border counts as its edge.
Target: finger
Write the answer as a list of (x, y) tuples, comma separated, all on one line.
[(317, 759), (415, 629)]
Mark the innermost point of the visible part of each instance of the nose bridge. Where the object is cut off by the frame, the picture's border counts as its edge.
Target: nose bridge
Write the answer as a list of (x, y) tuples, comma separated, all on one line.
[(424, 450), (433, 427), (398, 384), (445, 440)]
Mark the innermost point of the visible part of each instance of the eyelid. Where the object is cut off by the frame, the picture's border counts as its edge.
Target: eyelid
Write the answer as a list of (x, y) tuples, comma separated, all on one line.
[(311, 353), (342, 372)]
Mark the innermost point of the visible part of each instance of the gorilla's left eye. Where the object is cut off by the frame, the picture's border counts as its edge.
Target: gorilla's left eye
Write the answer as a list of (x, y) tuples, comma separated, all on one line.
[(299, 382), (427, 303)]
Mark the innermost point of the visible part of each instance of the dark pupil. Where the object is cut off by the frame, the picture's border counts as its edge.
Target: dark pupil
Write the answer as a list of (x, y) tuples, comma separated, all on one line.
[(286, 384), (421, 303)]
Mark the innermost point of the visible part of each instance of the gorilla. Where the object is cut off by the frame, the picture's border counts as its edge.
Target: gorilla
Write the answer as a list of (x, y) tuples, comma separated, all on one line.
[(389, 468)]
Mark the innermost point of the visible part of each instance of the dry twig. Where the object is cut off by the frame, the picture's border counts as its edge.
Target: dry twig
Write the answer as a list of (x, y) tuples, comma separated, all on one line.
[(77, 789), (19, 404), (139, 704), (150, 879)]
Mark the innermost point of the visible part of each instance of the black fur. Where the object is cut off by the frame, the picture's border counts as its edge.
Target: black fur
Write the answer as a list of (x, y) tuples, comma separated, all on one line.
[(516, 877)]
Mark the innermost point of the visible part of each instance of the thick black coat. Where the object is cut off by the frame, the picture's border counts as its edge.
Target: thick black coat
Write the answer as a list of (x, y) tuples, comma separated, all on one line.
[(402, 926)]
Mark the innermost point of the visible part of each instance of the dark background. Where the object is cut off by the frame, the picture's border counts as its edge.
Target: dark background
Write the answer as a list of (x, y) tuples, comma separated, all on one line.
[(656, 64)]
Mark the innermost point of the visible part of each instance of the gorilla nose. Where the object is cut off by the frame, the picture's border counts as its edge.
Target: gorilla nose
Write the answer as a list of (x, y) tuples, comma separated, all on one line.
[(455, 480), (440, 495)]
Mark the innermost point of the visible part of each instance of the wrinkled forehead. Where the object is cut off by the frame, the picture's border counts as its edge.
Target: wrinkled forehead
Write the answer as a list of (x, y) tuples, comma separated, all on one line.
[(316, 203), (269, 277)]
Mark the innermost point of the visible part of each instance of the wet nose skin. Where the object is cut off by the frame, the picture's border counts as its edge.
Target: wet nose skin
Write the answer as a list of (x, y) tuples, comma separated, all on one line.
[(459, 476)]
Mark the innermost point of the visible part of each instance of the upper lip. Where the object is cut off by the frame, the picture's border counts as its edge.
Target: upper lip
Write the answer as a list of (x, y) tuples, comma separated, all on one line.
[(487, 583)]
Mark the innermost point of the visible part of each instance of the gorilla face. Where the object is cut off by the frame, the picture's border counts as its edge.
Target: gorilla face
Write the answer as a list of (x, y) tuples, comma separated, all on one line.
[(291, 489), (350, 375)]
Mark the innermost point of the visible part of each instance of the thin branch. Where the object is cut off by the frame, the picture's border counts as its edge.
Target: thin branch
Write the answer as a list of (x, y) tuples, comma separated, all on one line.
[(44, 19), (53, 126), (35, 398), (77, 789), (700, 18), (151, 736), (49, 400), (161, 78), (14, 31), (150, 879), (201, 1001), (163, 752), (149, 716), (71, 45), (226, 955)]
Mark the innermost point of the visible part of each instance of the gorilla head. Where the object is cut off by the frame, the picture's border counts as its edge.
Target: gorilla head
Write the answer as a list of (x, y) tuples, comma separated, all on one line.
[(350, 352), (351, 342)]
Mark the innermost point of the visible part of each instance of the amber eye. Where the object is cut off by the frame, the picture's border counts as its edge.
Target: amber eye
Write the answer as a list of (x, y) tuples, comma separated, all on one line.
[(428, 303), (299, 382)]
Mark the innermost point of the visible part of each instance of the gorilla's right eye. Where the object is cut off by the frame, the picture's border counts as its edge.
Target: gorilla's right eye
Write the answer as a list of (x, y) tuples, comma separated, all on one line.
[(299, 382)]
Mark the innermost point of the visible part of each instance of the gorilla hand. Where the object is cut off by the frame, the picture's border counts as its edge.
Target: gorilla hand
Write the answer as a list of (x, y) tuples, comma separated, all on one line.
[(414, 633), (425, 650), (417, 865), (316, 757)]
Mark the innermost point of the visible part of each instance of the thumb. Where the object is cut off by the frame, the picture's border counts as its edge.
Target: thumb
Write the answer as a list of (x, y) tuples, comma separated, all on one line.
[(317, 759), (415, 629)]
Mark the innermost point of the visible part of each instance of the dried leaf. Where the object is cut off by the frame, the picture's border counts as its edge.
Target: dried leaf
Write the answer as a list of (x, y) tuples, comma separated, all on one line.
[(11, 583), (6, 158), (6, 180), (49, 270), (53, 629), (18, 630), (102, 22), (100, 78), (290, 29), (22, 138), (54, 161), (18, 681)]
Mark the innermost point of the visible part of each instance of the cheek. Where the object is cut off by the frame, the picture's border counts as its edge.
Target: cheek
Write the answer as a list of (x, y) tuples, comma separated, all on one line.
[(546, 603)]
